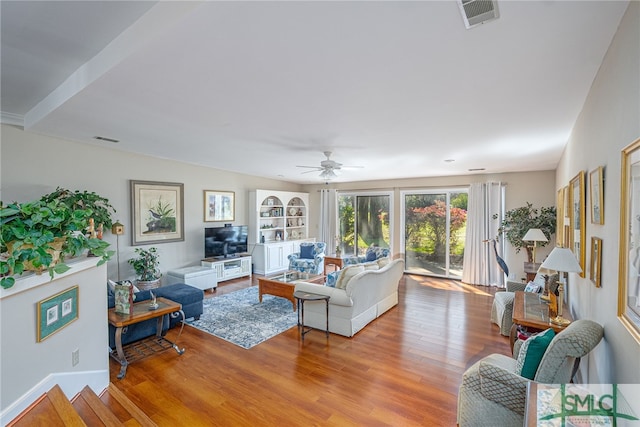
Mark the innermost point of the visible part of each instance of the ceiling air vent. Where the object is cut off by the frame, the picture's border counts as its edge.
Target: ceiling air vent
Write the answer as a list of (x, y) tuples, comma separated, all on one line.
[(476, 12)]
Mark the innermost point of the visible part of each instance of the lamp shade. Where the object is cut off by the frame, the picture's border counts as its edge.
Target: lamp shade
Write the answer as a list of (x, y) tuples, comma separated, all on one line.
[(535, 235), (562, 259)]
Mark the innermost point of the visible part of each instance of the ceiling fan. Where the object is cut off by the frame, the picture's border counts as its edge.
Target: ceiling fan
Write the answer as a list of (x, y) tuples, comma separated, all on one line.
[(328, 167)]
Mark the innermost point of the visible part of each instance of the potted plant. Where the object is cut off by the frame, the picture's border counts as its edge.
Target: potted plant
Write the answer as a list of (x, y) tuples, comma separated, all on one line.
[(147, 268), (100, 207), (518, 221), (39, 235)]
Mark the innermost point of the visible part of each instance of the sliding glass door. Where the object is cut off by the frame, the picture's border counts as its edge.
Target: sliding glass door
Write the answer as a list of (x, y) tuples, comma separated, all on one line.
[(363, 220), (435, 224)]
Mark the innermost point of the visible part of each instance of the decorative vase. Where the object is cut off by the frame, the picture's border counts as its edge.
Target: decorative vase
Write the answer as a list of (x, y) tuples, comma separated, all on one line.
[(144, 285)]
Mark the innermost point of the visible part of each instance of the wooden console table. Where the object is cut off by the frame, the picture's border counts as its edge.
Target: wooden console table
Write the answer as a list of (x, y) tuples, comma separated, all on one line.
[(148, 346), (530, 311)]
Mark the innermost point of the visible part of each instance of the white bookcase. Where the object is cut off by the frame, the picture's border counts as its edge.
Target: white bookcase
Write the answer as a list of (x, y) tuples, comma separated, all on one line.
[(229, 268), (279, 223)]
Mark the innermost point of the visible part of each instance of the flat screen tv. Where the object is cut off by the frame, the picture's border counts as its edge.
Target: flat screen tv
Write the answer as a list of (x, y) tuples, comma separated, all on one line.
[(225, 241)]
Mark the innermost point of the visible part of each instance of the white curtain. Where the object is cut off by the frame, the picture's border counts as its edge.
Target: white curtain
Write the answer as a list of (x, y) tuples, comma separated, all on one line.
[(480, 266), (328, 219)]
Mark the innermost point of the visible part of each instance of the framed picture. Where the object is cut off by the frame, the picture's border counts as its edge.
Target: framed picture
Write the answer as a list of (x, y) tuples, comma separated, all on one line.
[(596, 181), (596, 261), (560, 218), (157, 212), (56, 312), (576, 218), (219, 205), (629, 257)]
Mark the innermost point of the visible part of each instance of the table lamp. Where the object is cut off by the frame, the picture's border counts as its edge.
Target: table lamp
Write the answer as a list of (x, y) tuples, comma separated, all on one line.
[(561, 260), (534, 235)]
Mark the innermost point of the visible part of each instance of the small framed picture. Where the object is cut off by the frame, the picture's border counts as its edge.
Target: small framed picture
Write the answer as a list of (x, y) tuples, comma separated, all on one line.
[(56, 312), (219, 205), (596, 178), (596, 261), (269, 201)]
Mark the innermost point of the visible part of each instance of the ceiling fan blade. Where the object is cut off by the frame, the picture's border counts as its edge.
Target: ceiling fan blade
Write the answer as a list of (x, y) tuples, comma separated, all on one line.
[(352, 167), (310, 167), (309, 171)]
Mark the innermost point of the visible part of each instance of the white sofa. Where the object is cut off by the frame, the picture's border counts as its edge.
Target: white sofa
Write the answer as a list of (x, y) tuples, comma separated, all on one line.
[(367, 296)]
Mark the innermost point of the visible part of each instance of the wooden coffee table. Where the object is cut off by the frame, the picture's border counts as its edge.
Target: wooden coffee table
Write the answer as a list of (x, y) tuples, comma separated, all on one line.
[(284, 284), (148, 346)]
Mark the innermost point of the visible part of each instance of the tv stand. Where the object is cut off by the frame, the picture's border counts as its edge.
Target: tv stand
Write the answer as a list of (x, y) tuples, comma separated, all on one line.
[(229, 268)]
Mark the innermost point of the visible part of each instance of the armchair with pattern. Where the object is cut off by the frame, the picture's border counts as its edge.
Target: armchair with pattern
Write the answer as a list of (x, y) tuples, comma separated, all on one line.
[(310, 259), (493, 392)]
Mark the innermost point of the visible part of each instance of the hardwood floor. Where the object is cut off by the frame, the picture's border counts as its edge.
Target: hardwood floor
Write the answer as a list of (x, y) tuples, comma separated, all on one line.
[(403, 369)]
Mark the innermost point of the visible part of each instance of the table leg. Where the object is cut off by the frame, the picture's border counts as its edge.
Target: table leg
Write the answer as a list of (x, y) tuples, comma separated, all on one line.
[(327, 303), (302, 332), (121, 356), (513, 333), (173, 344)]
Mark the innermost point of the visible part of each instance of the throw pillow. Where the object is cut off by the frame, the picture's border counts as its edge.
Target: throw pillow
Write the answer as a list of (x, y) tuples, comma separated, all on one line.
[(332, 278), (306, 251), (371, 254), (531, 353), (532, 287), (347, 274)]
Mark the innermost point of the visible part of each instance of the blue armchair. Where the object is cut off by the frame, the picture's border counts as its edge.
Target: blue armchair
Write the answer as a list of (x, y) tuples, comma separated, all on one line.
[(373, 253), (310, 259)]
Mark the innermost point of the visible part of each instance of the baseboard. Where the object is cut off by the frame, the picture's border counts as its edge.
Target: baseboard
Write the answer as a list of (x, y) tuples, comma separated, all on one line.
[(70, 382)]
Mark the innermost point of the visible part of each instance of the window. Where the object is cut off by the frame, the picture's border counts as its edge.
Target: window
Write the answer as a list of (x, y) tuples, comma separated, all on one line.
[(363, 220)]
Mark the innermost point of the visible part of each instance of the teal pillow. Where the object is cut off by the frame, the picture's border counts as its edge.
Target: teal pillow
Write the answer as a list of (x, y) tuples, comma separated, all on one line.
[(332, 278), (531, 353)]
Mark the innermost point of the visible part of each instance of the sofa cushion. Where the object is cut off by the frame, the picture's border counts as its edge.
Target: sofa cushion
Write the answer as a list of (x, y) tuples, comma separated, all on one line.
[(371, 255), (383, 261), (531, 353), (371, 265), (347, 274)]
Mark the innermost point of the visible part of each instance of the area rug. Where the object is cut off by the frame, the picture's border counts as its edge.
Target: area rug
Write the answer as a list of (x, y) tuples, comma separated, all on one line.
[(241, 319)]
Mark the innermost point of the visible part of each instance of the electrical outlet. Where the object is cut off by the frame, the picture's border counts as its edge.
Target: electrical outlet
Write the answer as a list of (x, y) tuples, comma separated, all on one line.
[(75, 357)]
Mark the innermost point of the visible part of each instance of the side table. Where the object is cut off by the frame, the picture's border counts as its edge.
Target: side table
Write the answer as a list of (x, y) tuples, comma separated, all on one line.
[(332, 260), (302, 297), (148, 346)]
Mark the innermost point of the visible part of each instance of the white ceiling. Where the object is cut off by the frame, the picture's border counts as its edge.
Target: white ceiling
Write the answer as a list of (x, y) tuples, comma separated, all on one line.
[(260, 87)]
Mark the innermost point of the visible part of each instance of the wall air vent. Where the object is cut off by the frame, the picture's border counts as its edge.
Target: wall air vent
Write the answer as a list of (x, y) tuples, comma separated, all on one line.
[(476, 12)]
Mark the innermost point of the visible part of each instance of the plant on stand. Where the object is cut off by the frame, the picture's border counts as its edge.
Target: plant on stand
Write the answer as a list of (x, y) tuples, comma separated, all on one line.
[(147, 267), (518, 221)]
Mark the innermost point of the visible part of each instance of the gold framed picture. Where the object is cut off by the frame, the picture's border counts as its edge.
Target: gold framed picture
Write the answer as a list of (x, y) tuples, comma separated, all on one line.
[(596, 261), (629, 256), (596, 185), (576, 218), (56, 312)]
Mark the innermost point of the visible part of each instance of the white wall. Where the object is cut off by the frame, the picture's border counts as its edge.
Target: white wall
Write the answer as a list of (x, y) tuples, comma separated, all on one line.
[(609, 121), (26, 363), (538, 188), (33, 165)]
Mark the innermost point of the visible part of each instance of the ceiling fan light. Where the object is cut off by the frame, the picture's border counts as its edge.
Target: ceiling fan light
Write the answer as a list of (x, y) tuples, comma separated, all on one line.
[(328, 174)]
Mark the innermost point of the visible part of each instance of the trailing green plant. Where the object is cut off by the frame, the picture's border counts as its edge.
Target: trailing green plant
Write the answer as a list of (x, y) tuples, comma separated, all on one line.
[(518, 221), (31, 232), (101, 209), (146, 264)]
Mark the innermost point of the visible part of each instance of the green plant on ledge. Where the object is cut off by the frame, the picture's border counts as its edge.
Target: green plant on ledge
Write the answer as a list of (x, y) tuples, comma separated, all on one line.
[(39, 235), (146, 264), (518, 221)]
